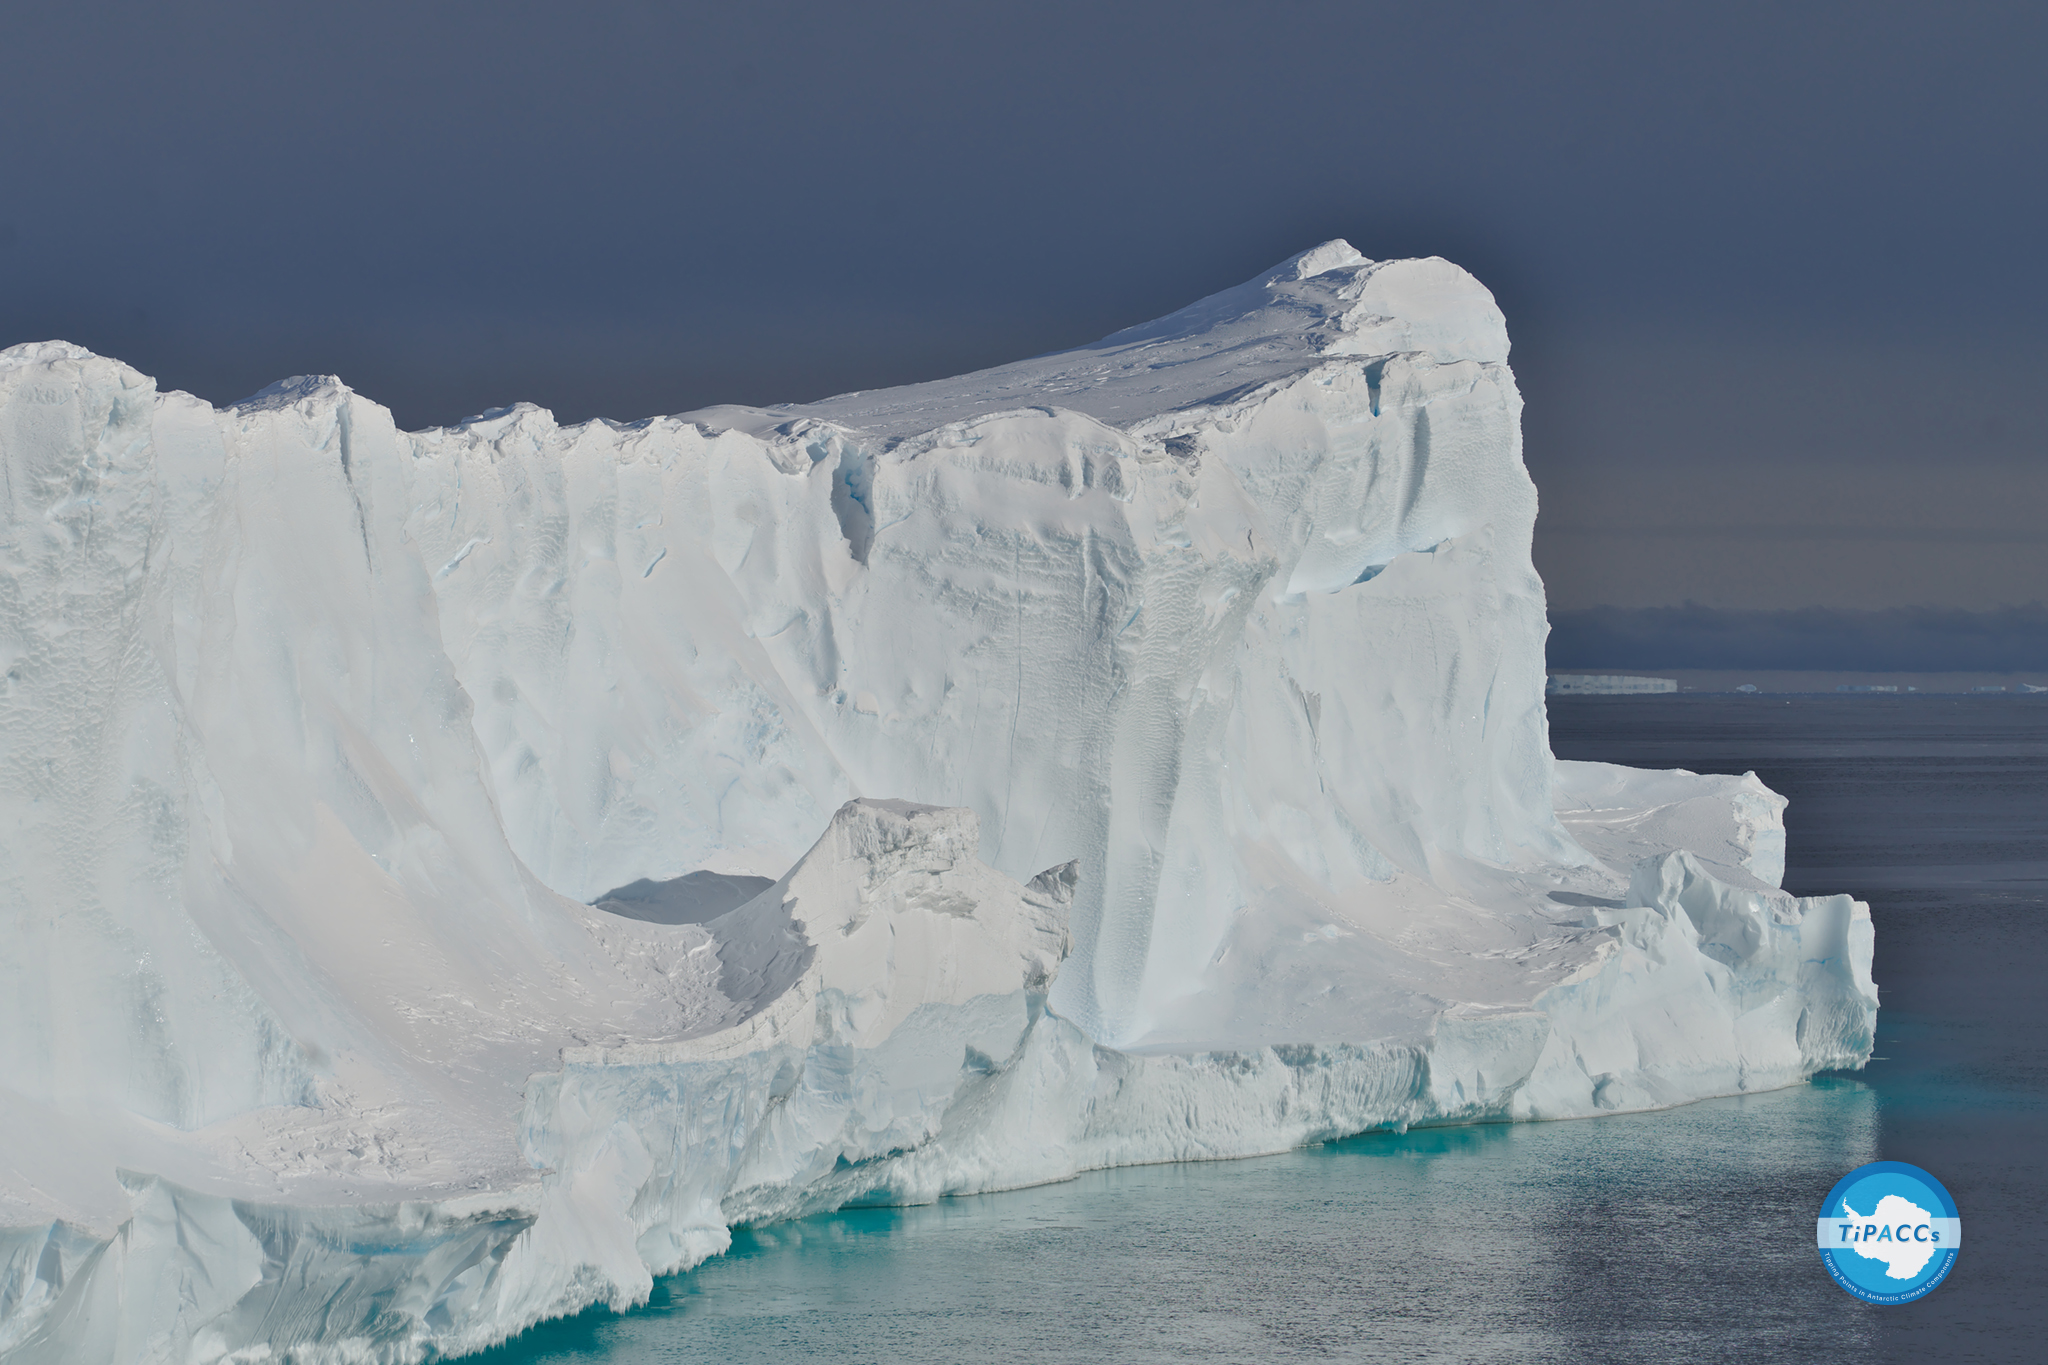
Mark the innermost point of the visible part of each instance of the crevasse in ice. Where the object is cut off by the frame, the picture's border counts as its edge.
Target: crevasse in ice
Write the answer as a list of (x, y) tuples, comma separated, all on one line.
[(448, 878)]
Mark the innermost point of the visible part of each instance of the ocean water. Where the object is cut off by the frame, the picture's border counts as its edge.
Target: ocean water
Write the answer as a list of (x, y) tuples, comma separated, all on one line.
[(1686, 1235)]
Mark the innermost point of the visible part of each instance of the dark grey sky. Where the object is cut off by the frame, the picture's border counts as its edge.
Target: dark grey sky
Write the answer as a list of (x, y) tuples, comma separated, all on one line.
[(1774, 272)]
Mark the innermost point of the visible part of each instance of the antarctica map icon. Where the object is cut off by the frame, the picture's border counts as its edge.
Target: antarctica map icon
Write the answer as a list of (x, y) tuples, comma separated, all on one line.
[(1889, 1232)]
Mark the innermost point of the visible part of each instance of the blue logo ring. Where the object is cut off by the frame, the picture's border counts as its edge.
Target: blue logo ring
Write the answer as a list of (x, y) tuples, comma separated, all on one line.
[(1889, 1232)]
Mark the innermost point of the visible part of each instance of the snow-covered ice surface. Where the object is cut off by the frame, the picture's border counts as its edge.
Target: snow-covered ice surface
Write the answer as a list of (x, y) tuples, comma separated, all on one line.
[(447, 878)]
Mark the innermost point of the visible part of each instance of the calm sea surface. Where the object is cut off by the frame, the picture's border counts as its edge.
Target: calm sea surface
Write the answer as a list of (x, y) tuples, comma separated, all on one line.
[(1685, 1235)]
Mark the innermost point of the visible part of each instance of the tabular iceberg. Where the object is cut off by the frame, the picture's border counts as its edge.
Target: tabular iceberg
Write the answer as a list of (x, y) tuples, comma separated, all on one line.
[(451, 877)]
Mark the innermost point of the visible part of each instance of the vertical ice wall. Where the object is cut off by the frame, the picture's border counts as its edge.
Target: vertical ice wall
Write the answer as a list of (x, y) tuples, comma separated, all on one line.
[(312, 721), (110, 991), (1244, 612), (244, 831)]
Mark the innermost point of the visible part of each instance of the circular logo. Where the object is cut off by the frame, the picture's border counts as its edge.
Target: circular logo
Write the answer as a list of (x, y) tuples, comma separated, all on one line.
[(1889, 1232)]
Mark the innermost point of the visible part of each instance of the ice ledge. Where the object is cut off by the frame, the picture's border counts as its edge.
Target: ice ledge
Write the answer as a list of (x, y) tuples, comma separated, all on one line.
[(644, 1157)]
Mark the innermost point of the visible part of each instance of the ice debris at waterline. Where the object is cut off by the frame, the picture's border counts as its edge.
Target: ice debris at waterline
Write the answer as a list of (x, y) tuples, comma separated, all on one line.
[(452, 876)]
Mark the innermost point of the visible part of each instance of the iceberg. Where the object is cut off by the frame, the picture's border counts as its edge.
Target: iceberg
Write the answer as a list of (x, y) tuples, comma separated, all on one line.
[(1606, 685), (453, 877)]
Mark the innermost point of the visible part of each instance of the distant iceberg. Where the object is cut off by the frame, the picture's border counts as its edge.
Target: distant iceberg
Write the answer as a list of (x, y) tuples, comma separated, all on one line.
[(452, 877), (1606, 685)]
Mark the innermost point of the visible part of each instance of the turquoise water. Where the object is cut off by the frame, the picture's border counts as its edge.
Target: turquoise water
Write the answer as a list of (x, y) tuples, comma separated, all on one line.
[(1686, 1235), (1505, 1242)]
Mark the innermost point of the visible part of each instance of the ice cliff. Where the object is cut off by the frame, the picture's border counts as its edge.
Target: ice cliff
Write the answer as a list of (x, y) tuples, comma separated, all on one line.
[(447, 878)]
